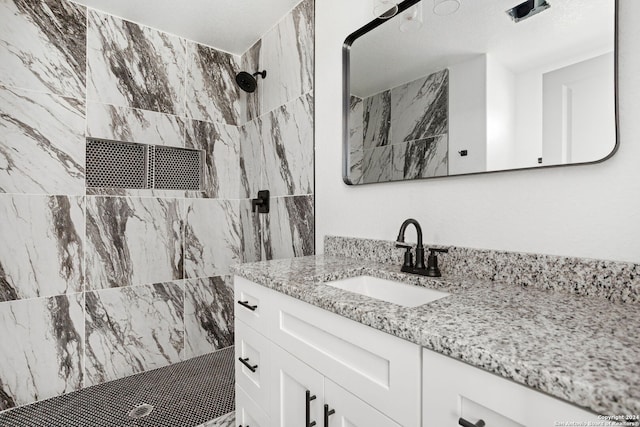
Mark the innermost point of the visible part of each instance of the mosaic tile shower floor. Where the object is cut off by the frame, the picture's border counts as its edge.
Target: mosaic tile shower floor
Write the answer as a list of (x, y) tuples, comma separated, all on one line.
[(186, 394)]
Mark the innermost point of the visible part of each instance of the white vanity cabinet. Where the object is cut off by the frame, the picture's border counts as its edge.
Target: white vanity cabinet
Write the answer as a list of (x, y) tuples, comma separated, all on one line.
[(364, 376), (295, 361), (453, 390)]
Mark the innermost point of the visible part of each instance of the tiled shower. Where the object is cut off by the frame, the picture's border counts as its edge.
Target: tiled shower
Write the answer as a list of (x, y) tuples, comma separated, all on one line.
[(97, 284)]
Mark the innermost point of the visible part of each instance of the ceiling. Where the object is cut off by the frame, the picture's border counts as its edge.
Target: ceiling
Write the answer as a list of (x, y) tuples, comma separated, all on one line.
[(570, 28), (229, 25)]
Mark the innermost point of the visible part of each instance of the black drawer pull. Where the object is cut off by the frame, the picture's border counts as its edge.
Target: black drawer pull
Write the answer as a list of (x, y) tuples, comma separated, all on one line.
[(246, 363), (327, 412), (249, 306), (308, 399), (465, 423)]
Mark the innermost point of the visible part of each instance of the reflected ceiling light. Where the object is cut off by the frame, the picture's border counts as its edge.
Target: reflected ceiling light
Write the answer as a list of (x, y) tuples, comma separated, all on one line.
[(445, 7), (412, 19), (385, 9)]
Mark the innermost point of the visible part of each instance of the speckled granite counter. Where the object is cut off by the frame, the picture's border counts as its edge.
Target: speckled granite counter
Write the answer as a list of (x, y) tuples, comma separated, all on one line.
[(580, 349)]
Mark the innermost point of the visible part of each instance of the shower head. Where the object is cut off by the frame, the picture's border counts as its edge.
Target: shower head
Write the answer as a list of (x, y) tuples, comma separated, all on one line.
[(247, 82)]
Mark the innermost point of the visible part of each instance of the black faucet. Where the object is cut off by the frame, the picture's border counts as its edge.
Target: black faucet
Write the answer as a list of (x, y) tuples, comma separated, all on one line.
[(418, 267)]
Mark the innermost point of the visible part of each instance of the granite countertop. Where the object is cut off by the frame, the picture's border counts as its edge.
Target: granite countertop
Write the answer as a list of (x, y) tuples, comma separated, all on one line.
[(581, 349)]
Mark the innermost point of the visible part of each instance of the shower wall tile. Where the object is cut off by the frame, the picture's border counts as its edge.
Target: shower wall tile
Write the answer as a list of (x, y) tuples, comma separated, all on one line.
[(208, 315), (43, 46), (251, 236), (419, 109), (288, 230), (42, 349), (134, 66), (377, 120), (42, 246), (251, 102), (133, 329), (212, 237), (133, 241), (287, 54), (377, 165), (222, 147), (251, 159), (212, 92), (287, 140), (134, 125), (421, 159), (41, 143)]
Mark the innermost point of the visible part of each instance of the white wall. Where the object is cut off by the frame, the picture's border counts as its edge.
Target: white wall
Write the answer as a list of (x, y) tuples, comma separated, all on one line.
[(468, 115), (501, 115), (529, 107), (588, 211)]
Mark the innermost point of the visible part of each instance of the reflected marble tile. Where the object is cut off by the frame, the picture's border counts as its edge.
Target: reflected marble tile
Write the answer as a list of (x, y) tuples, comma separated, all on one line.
[(356, 139), (212, 237), (42, 349), (250, 224), (133, 241), (208, 315), (133, 329), (420, 109), (377, 165), (134, 125), (134, 66), (212, 92), (287, 144), (228, 420), (43, 46), (42, 250), (222, 146), (288, 230), (287, 54), (251, 102), (42, 144), (421, 159), (377, 120), (252, 169)]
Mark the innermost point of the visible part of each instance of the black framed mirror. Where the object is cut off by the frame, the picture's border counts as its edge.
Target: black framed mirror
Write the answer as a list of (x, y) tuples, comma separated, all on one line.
[(455, 87)]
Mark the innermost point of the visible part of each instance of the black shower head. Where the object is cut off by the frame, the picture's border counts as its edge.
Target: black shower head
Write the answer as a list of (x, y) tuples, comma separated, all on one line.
[(247, 82)]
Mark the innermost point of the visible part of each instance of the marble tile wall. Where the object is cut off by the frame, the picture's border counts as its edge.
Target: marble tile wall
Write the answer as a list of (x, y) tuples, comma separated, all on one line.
[(277, 145), (95, 283), (401, 133)]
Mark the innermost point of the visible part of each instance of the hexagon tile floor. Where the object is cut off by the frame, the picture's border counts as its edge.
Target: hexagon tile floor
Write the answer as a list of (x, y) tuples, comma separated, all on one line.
[(196, 392)]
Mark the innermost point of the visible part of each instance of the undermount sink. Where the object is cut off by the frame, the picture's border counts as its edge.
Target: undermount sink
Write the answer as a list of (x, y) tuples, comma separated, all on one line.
[(388, 290)]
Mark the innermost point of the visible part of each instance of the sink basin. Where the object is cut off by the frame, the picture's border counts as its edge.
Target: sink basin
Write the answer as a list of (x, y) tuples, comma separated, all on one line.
[(388, 290)]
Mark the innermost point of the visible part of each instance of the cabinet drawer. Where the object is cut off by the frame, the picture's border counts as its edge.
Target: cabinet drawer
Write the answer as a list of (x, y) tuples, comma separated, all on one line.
[(379, 368), (452, 389), (251, 303), (252, 373), (248, 414)]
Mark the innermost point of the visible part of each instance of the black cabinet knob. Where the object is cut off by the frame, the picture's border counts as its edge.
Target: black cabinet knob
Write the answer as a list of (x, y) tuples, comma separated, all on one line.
[(246, 363), (246, 304)]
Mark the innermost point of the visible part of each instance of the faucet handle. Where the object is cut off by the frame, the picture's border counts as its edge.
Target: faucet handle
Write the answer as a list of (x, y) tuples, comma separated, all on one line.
[(408, 256), (432, 262)]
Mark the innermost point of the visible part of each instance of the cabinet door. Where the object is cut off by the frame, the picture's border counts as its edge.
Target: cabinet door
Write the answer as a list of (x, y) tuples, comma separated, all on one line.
[(252, 363), (296, 389), (248, 413), (349, 411), (452, 389)]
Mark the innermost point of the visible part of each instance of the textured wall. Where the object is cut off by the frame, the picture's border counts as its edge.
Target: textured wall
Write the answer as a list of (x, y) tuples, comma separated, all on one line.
[(97, 284), (584, 211)]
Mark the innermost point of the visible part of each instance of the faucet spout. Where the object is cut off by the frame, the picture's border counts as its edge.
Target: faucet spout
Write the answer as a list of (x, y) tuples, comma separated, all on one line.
[(403, 228), (419, 248)]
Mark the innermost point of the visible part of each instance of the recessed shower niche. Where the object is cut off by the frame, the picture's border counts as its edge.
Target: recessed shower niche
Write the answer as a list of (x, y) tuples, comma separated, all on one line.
[(116, 164)]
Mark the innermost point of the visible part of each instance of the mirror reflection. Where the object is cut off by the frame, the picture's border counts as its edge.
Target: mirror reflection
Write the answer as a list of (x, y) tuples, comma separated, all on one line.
[(469, 86)]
